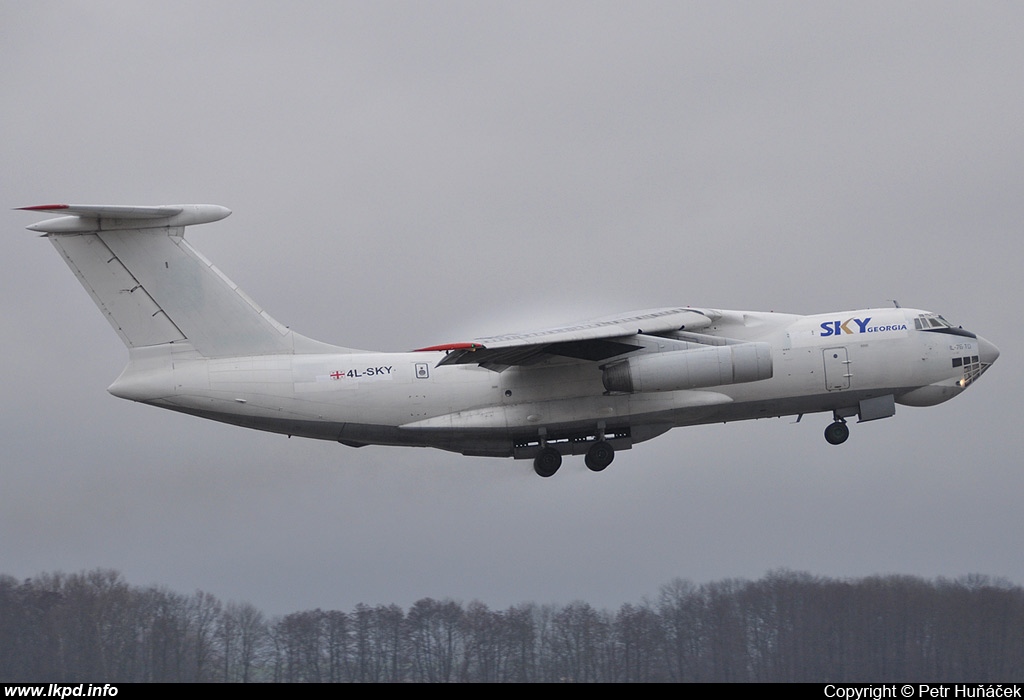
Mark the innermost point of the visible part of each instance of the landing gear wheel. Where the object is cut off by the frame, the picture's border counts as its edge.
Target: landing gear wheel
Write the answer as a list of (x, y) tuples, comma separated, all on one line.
[(547, 462), (836, 433), (599, 456)]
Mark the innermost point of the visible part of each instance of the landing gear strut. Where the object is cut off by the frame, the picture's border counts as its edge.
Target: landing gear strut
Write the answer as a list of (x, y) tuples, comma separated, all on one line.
[(837, 432), (599, 456), (547, 462)]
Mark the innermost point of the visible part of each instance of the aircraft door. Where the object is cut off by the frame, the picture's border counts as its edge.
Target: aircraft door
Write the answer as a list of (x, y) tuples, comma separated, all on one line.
[(418, 391), (837, 369)]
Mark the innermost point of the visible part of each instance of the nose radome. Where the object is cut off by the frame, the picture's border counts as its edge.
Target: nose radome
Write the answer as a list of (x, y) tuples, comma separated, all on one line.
[(988, 352)]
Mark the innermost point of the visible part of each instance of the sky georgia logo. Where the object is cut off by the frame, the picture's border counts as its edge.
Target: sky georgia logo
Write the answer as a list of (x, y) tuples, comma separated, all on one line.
[(857, 325)]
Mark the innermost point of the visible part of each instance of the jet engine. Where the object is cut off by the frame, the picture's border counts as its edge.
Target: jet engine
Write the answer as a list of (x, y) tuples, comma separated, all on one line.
[(689, 369)]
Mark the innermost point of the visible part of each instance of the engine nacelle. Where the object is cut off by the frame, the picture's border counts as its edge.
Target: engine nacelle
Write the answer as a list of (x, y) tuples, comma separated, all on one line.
[(690, 369)]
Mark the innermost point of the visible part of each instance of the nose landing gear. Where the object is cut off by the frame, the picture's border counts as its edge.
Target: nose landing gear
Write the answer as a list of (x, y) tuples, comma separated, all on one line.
[(837, 432)]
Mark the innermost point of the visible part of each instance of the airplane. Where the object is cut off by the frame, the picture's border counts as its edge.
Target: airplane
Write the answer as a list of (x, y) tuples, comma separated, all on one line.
[(199, 345)]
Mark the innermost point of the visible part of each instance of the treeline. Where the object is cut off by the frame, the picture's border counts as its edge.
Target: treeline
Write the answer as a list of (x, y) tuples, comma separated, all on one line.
[(93, 626)]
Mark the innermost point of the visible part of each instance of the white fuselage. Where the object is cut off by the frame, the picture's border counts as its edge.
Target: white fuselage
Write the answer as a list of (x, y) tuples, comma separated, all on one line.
[(827, 362)]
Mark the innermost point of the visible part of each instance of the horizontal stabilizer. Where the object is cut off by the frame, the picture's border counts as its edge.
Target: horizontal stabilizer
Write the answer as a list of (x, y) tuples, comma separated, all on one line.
[(85, 218)]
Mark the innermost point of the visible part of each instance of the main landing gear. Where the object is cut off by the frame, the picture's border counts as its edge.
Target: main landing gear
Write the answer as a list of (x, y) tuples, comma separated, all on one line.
[(548, 460), (599, 456), (837, 432)]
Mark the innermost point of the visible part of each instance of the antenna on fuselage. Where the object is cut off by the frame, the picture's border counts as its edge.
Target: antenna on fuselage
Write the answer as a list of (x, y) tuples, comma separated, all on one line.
[(895, 303)]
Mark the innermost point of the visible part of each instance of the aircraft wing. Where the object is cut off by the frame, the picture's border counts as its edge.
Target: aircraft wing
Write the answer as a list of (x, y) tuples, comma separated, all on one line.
[(596, 340)]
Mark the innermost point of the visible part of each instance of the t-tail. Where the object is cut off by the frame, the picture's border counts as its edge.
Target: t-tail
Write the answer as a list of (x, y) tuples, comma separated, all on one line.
[(161, 295)]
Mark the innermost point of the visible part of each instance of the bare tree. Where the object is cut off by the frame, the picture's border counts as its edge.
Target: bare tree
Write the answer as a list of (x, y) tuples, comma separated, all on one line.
[(243, 636), (435, 639)]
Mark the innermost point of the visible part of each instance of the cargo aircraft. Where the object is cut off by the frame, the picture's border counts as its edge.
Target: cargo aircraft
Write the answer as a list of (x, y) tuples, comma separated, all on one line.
[(199, 345)]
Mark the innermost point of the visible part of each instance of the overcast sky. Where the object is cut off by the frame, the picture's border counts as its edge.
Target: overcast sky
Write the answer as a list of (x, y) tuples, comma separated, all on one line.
[(404, 174)]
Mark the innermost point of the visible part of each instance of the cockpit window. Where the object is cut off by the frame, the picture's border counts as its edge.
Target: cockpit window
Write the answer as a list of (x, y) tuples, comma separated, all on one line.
[(934, 322), (931, 321)]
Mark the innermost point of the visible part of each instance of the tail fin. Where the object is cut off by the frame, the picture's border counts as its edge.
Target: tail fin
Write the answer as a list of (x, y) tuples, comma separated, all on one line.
[(156, 289)]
